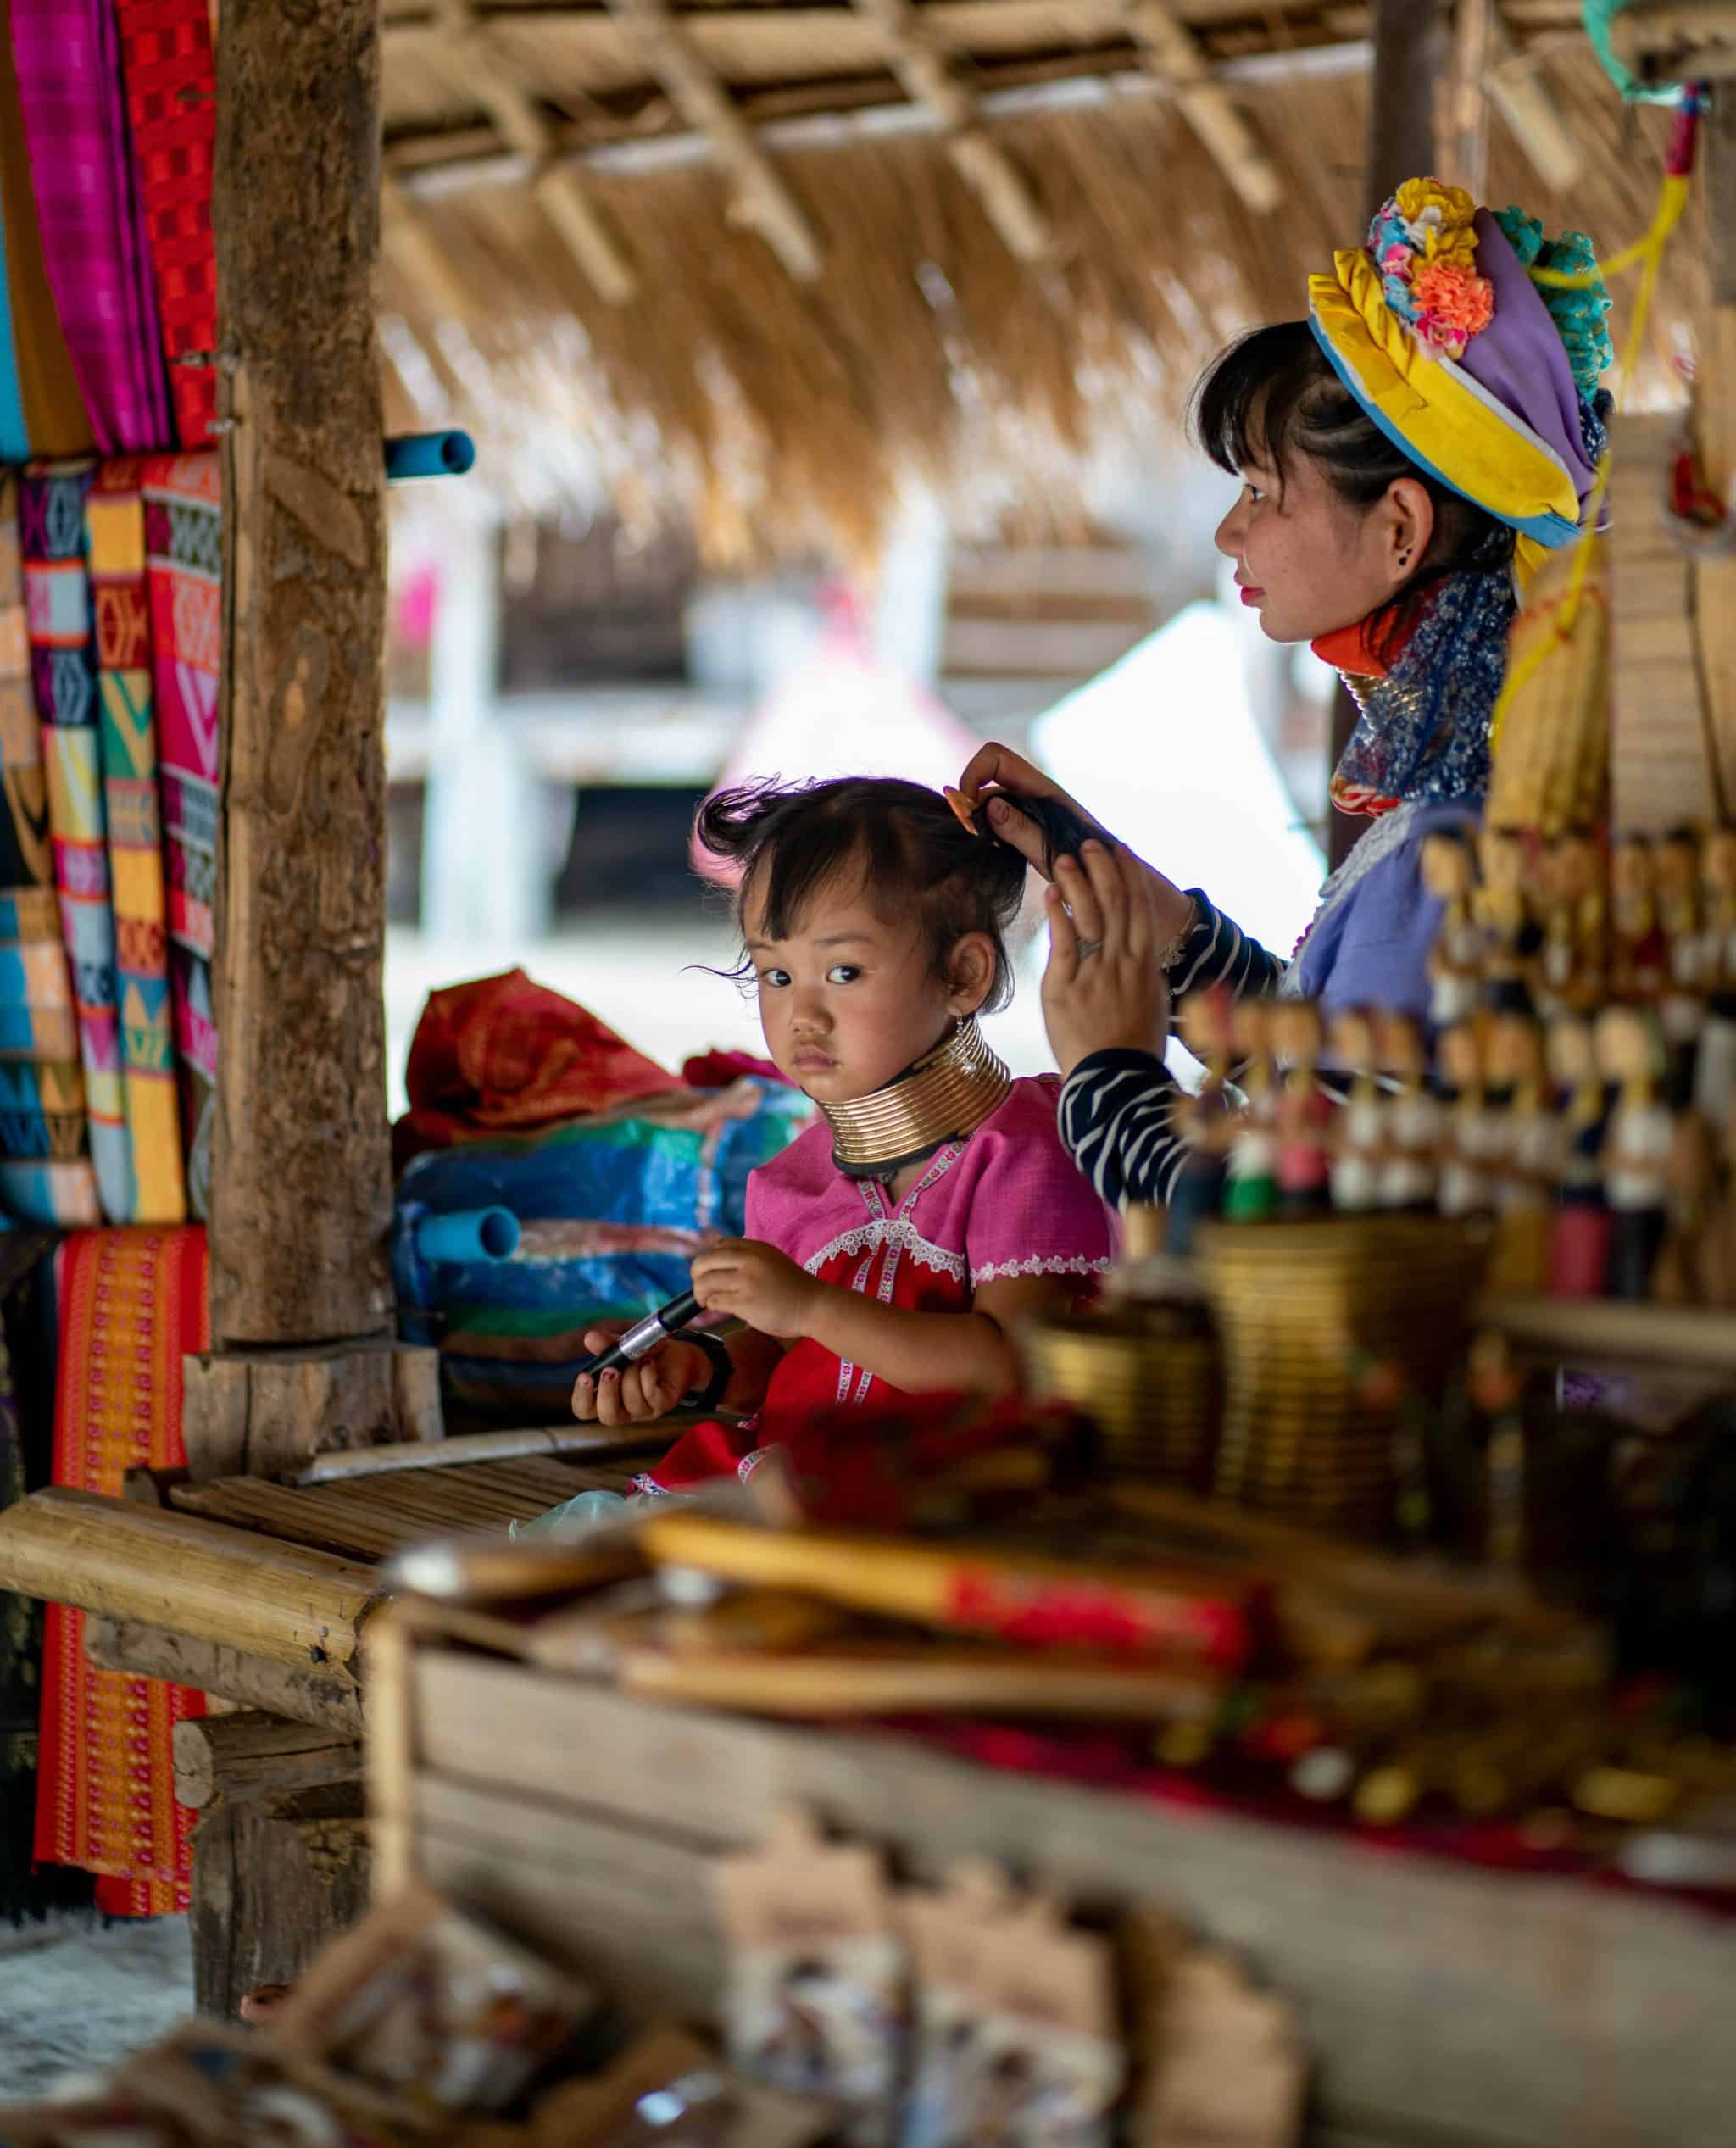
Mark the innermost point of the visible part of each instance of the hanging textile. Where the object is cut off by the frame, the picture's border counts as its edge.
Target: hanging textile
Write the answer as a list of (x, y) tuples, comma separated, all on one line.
[(45, 1171), (115, 527), (183, 574), (63, 670), (54, 418), (172, 102), (14, 439), (68, 56), (132, 1305)]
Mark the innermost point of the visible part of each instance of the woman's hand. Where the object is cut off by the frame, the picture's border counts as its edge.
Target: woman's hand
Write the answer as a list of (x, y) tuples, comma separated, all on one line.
[(758, 1284), (1008, 771), (652, 1388), (1103, 990)]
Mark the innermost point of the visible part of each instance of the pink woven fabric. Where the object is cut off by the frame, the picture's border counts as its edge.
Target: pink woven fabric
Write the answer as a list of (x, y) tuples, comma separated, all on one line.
[(68, 53)]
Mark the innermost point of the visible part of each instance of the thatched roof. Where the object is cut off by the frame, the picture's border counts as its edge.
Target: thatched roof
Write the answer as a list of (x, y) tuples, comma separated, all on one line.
[(753, 262)]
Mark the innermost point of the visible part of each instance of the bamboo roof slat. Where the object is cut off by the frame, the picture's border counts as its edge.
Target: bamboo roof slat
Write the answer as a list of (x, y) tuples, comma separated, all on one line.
[(1173, 51), (1520, 91), (762, 200), (930, 77), (559, 188)]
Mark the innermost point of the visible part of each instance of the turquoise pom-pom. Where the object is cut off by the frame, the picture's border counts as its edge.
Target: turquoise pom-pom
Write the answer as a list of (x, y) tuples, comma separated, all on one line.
[(1580, 314)]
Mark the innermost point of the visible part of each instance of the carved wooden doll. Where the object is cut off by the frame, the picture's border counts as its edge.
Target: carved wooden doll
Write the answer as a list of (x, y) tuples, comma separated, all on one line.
[(1636, 945), (1359, 1131), (1714, 1067), (1579, 1250), (1636, 1145), (1414, 1120), (1682, 1005), (1502, 907), (1456, 960), (1528, 1164), (1472, 1136), (1250, 1190), (1569, 973), (1206, 1021), (1304, 1112)]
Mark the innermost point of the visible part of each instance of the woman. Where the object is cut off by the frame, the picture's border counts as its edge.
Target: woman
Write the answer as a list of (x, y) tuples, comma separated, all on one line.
[(1407, 455)]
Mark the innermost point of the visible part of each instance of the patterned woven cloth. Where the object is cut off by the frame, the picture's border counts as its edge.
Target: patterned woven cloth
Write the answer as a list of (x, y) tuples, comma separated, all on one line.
[(115, 524), (63, 672), (183, 576), (45, 1169), (68, 56), (171, 102), (55, 420), (132, 1305)]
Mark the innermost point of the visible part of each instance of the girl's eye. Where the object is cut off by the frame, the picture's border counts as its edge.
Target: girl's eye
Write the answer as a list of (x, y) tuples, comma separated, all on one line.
[(775, 977), (843, 973), (1255, 493)]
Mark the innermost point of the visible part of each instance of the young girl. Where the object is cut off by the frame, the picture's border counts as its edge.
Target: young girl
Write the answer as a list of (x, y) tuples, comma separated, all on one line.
[(891, 1248), (1405, 454)]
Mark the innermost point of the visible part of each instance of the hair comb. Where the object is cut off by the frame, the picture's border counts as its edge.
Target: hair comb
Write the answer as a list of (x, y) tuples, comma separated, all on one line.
[(1062, 826)]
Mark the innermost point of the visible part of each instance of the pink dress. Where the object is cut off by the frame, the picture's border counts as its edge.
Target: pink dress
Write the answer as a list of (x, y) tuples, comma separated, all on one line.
[(1009, 1201)]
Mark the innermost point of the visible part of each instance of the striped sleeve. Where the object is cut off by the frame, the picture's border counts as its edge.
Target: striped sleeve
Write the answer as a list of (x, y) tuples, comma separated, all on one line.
[(1116, 1114), (1217, 951)]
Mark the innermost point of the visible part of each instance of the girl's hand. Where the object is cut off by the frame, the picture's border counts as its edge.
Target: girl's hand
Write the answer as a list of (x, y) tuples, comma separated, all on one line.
[(1008, 771), (650, 1388), (1103, 990), (758, 1284)]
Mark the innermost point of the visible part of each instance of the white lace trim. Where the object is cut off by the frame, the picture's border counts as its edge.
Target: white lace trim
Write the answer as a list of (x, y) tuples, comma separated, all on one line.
[(1390, 832), (1042, 1263), (898, 1231)]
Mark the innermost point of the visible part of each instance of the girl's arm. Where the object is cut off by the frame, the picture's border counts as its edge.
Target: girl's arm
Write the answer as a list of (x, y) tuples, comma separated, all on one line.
[(967, 1353)]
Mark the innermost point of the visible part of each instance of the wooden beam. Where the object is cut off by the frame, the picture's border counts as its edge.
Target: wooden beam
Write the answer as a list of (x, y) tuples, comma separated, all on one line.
[(266, 1413), (1473, 45), (301, 1198), (932, 79), (279, 1600), (1520, 91), (325, 1698), (427, 259), (254, 1755), (560, 190), (762, 200), (1174, 53)]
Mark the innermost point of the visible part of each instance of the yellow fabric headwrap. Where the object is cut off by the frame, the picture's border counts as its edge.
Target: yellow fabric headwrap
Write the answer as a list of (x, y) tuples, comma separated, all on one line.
[(1437, 414)]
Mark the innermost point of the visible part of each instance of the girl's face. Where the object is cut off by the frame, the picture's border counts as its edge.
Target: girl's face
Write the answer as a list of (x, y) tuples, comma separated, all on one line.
[(1308, 561), (847, 1001)]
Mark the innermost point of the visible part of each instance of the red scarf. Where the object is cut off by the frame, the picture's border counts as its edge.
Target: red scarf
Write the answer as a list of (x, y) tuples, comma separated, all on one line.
[(1351, 652)]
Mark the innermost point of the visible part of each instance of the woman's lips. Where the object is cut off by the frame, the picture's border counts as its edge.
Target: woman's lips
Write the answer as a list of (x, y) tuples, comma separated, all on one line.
[(813, 1062), (1251, 596)]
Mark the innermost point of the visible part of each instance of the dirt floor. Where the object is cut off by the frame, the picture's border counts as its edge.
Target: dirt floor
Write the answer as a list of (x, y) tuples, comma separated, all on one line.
[(75, 1995)]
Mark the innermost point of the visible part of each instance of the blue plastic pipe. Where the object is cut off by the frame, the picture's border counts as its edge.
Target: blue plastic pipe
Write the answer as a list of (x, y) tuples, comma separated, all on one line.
[(428, 454), (468, 1234)]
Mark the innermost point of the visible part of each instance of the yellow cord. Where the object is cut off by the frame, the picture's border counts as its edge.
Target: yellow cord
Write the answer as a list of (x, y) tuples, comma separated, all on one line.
[(1671, 201)]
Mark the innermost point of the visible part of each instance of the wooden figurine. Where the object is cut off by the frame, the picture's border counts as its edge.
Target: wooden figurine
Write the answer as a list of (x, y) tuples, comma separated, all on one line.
[(1206, 1022), (1528, 1164), (1358, 1132), (1714, 1067), (1250, 1190), (1413, 1118), (1569, 977), (1456, 960), (1636, 945), (1579, 1249), (1304, 1112), (1636, 1145), (1473, 1128), (1682, 1005), (1502, 906)]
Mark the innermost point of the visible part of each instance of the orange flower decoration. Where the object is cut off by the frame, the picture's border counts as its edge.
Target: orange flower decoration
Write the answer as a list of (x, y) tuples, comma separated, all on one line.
[(1456, 303)]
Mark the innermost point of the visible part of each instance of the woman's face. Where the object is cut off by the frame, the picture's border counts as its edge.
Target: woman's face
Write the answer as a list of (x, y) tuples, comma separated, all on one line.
[(1308, 561)]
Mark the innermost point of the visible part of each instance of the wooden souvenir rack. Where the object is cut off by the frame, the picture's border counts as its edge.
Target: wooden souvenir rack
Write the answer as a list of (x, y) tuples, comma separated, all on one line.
[(1441, 2005)]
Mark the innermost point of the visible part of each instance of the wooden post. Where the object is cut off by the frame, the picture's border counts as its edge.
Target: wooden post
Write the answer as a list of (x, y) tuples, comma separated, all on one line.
[(1409, 50), (1714, 401), (302, 1183), (275, 1880), (254, 1755)]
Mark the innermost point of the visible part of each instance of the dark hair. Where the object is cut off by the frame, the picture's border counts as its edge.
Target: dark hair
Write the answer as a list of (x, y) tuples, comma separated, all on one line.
[(1275, 391), (905, 842)]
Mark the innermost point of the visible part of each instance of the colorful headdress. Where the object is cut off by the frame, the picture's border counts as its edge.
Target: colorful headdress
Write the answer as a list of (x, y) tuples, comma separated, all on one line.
[(1484, 382)]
